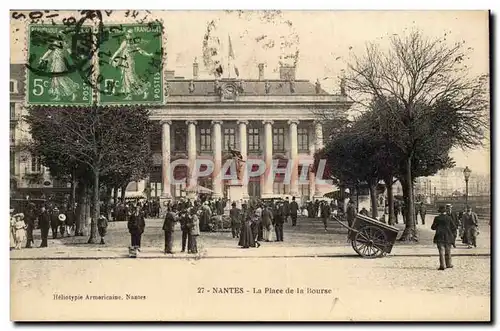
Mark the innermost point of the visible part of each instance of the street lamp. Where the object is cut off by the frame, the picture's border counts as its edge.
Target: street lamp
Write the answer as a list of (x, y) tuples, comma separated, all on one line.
[(467, 172)]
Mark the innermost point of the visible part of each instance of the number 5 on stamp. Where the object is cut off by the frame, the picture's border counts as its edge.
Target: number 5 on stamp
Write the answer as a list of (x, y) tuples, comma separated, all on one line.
[(131, 64), (54, 75)]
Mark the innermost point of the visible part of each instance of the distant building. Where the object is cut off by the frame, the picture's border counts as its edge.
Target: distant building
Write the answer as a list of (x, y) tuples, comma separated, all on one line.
[(449, 182)]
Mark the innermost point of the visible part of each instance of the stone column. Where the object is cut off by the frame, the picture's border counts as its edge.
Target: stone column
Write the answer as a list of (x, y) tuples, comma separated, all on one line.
[(165, 159), (191, 146), (267, 181), (312, 176), (294, 157), (318, 142), (242, 134), (217, 154)]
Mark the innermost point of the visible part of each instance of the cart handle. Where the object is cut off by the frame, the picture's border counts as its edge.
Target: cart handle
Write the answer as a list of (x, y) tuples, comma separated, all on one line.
[(343, 224)]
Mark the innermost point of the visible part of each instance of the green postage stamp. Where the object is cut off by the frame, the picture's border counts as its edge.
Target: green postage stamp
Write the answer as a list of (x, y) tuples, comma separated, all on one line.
[(56, 61), (130, 64)]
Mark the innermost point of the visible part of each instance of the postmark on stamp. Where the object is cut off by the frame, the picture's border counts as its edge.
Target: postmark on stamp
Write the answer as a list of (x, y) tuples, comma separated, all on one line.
[(131, 64), (55, 64)]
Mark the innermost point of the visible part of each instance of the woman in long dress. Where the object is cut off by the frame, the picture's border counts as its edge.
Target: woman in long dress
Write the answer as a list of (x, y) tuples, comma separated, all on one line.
[(55, 60), (124, 58), (246, 236)]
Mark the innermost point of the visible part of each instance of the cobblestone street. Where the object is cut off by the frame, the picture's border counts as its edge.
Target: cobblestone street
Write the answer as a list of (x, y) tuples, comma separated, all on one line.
[(394, 288)]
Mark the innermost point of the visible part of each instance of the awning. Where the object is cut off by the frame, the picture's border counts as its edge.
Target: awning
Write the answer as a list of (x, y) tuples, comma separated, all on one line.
[(198, 189)]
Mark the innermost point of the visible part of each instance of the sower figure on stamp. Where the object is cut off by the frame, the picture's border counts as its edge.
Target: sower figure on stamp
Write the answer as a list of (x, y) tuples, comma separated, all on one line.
[(445, 237), (44, 224), (168, 228)]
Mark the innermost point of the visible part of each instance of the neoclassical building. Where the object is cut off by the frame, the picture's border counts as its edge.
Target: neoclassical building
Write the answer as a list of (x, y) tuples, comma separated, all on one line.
[(265, 119)]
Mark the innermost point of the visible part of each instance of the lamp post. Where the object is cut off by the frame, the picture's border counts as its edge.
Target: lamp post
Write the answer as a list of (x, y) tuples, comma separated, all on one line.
[(467, 173)]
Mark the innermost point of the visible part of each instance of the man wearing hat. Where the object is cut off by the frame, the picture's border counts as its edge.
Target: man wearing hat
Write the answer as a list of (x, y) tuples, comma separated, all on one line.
[(445, 236), (455, 220), (102, 226), (235, 215), (54, 221), (44, 224), (470, 224)]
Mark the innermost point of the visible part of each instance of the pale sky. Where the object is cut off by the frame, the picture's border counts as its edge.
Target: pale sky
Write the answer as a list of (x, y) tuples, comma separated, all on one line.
[(324, 40)]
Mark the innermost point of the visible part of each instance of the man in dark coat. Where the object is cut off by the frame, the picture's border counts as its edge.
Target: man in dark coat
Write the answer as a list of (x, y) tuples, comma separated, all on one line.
[(184, 219), (445, 237), (350, 213), (30, 225), (422, 211), (286, 210), (278, 221), (455, 220), (44, 224), (470, 224), (325, 213), (54, 222), (397, 210), (136, 225), (168, 228), (234, 215), (294, 208), (316, 208)]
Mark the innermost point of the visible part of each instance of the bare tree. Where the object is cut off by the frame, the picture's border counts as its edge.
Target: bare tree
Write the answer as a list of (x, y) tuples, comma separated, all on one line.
[(414, 72)]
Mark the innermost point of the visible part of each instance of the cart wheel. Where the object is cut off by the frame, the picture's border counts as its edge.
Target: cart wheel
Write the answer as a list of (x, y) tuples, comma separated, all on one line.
[(370, 242)]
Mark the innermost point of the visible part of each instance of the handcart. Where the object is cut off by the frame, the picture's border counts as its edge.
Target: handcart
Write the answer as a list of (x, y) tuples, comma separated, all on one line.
[(369, 237)]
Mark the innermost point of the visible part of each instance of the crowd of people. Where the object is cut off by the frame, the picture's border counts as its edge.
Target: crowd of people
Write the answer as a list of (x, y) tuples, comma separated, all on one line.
[(252, 222)]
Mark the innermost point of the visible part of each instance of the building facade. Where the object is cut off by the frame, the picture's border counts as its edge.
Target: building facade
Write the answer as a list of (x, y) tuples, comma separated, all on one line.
[(270, 120)]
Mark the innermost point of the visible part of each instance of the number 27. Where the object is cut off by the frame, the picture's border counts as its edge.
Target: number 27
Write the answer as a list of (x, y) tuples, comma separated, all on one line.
[(201, 290)]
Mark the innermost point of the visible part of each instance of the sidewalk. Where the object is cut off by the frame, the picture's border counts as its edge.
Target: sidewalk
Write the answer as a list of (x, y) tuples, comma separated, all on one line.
[(94, 252)]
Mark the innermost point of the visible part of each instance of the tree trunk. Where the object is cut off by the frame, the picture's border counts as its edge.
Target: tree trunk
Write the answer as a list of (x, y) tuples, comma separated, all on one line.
[(80, 209), (390, 199), (373, 198), (124, 188), (115, 195), (410, 231), (72, 198), (95, 209), (108, 202), (357, 197)]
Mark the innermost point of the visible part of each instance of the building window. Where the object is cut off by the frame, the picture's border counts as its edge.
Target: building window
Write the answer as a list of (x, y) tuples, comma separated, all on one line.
[(179, 139), (36, 165), (280, 188), (205, 139), (279, 139), (304, 192), (303, 139), (12, 135), (12, 162), (12, 110), (13, 86), (253, 139), (179, 190), (229, 138)]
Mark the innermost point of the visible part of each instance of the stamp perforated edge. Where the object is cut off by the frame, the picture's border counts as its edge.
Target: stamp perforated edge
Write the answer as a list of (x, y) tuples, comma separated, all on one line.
[(26, 26), (164, 40)]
